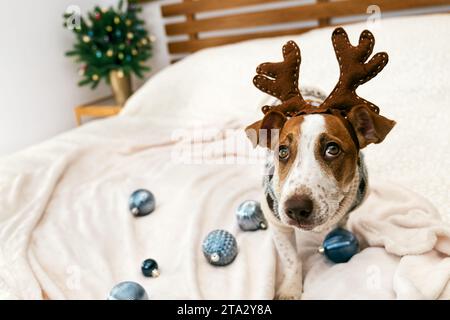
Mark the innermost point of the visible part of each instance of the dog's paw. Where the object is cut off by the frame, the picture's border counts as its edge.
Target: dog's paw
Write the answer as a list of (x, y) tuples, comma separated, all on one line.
[(287, 297)]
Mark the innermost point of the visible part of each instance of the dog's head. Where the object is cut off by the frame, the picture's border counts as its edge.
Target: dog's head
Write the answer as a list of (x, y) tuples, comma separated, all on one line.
[(316, 161), (316, 149)]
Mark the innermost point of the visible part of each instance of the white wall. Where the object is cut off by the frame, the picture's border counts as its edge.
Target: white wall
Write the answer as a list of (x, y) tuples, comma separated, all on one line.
[(38, 83)]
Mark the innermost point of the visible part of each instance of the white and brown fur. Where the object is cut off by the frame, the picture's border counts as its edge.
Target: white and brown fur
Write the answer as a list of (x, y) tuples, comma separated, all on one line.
[(331, 185)]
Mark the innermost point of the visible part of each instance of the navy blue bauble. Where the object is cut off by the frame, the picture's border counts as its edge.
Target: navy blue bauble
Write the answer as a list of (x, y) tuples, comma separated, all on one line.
[(128, 290), (150, 268), (141, 202), (340, 245), (250, 217), (220, 247)]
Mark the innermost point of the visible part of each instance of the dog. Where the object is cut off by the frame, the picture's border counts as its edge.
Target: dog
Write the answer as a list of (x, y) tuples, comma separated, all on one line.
[(316, 175)]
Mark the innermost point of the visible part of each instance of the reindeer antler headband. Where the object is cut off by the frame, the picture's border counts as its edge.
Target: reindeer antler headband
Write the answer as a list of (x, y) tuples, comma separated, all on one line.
[(280, 79)]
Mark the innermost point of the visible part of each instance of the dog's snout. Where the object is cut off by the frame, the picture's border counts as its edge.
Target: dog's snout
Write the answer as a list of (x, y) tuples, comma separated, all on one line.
[(299, 208)]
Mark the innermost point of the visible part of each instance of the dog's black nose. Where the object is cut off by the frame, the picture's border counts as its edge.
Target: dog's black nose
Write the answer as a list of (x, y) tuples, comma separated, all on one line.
[(299, 208)]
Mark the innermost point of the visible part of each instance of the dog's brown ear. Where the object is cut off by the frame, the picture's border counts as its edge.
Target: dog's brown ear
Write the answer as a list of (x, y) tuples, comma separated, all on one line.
[(266, 131), (370, 127)]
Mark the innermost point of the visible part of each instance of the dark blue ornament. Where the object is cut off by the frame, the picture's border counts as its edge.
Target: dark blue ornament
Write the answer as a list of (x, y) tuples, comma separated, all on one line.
[(340, 245), (128, 290), (220, 247), (150, 268), (128, 58), (141, 202), (90, 33), (250, 217), (118, 33)]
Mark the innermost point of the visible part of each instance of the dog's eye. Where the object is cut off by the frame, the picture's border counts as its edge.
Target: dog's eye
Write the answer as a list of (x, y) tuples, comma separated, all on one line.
[(283, 152), (332, 150)]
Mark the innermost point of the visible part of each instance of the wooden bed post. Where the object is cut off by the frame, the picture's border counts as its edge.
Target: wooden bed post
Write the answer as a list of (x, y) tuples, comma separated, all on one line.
[(189, 18), (323, 22)]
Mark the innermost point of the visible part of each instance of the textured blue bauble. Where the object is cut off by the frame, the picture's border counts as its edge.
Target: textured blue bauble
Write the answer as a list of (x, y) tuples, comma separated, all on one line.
[(340, 245), (142, 202), (150, 268), (250, 217), (128, 290), (220, 247)]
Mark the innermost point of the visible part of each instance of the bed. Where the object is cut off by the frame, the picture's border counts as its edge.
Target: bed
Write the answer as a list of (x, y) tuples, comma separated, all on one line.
[(66, 232)]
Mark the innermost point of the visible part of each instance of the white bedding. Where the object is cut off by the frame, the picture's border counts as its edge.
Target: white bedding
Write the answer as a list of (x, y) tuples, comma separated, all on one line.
[(65, 231)]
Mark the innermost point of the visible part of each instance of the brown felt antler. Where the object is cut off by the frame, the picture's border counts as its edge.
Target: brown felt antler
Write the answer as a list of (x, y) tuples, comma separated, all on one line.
[(354, 71), (280, 79)]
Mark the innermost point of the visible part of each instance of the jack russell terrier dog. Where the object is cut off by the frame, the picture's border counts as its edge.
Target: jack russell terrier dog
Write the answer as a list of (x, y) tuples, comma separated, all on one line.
[(316, 176)]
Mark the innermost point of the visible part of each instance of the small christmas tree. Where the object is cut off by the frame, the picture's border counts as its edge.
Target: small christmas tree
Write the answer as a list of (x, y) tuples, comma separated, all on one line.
[(110, 40)]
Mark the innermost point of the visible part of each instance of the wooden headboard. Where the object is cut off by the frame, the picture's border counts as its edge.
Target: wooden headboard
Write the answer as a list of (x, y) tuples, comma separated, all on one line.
[(267, 18)]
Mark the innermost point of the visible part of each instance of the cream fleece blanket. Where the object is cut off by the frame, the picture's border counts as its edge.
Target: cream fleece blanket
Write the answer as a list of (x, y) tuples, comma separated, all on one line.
[(66, 232)]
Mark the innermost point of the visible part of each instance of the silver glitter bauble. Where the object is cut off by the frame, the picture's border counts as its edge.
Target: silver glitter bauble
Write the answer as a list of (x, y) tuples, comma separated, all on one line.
[(220, 247), (141, 202), (250, 217), (128, 290)]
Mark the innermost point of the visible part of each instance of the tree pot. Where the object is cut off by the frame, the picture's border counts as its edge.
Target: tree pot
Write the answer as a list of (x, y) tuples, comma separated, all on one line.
[(120, 85)]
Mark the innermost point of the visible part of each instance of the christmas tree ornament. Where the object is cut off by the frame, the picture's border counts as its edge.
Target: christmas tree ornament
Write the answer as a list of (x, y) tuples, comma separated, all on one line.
[(144, 41), (128, 57), (98, 54), (90, 33), (109, 53), (128, 290), (134, 52), (130, 35), (120, 73), (141, 202), (97, 16), (104, 9), (109, 28), (250, 217), (219, 247), (120, 56), (116, 20), (149, 268), (118, 33), (95, 77), (82, 71), (339, 245), (128, 22), (86, 38)]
